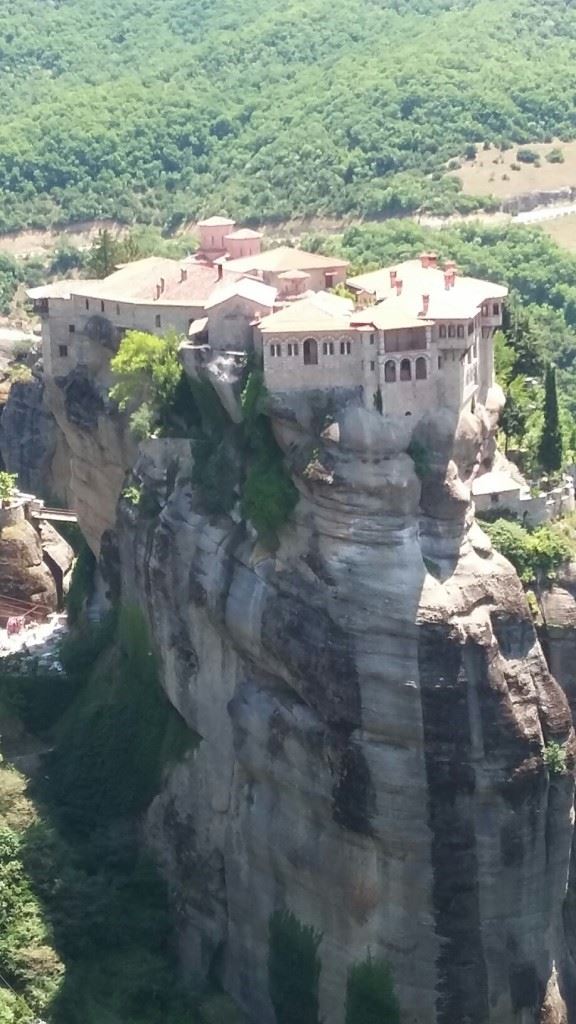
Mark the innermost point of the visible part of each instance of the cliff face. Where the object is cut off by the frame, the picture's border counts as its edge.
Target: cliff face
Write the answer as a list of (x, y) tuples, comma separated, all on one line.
[(371, 704)]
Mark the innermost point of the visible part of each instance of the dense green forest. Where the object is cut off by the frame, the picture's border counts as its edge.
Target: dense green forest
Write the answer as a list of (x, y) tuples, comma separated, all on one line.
[(266, 109)]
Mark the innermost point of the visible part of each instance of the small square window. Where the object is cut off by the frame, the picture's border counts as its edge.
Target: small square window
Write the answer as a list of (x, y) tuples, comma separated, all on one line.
[(71, 328), (63, 351), (158, 320)]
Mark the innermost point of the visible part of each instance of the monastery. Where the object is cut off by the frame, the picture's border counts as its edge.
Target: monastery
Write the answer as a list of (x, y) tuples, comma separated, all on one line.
[(408, 337)]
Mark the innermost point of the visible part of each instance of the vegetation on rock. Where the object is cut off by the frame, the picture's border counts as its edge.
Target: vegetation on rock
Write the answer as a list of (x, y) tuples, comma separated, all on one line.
[(147, 372), (293, 969), (535, 554), (555, 758), (370, 997)]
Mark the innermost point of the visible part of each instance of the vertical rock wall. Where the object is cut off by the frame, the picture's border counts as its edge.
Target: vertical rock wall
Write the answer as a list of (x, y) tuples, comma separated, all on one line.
[(371, 706)]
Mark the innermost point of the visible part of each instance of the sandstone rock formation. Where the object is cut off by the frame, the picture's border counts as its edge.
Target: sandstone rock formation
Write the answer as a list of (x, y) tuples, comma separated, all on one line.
[(372, 707), (24, 570)]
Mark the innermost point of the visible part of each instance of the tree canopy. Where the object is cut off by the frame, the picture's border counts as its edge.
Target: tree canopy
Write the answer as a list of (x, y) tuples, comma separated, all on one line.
[(265, 109)]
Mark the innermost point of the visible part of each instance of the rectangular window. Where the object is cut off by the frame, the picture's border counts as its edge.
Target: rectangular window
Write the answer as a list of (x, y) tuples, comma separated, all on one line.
[(442, 331), (102, 306), (87, 303), (451, 331), (372, 365), (71, 328), (292, 349), (117, 309), (496, 309), (345, 348), (471, 328), (275, 350), (328, 348), (460, 330), (158, 320), (372, 339), (439, 362), (62, 351), (485, 310)]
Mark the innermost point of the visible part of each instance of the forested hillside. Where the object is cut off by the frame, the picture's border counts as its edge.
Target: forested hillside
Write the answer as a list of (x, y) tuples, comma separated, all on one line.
[(267, 109)]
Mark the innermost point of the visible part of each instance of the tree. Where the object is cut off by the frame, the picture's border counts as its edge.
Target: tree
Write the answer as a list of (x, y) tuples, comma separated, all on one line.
[(7, 487), (293, 969), (104, 255), (370, 997), (550, 448), (147, 371)]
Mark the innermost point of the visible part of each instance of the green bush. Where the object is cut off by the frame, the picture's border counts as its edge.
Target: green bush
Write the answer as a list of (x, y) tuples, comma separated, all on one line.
[(555, 156), (370, 997), (293, 969), (535, 554), (81, 584), (554, 757), (525, 155), (117, 738)]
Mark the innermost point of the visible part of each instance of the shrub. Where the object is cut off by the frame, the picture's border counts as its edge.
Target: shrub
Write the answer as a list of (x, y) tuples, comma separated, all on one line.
[(420, 456), (119, 734), (8, 482), (269, 495), (555, 156), (20, 374), (370, 997), (293, 969), (534, 554), (554, 757), (525, 155), (81, 584)]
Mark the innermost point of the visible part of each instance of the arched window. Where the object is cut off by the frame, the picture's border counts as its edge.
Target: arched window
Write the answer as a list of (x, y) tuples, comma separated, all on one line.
[(390, 371), (311, 352), (421, 368), (405, 370)]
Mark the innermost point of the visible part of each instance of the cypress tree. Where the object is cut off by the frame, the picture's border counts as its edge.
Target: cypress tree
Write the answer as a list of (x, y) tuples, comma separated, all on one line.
[(550, 446)]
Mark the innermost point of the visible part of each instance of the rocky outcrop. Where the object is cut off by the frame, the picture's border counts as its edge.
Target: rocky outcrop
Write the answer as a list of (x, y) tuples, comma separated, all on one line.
[(372, 708), (24, 576), (99, 452), (29, 438)]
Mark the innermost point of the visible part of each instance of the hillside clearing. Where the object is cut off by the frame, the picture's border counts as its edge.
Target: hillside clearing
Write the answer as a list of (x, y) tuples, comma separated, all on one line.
[(491, 173)]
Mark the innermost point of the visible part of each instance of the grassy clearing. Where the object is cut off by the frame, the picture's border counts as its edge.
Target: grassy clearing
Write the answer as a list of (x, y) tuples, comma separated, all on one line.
[(491, 173)]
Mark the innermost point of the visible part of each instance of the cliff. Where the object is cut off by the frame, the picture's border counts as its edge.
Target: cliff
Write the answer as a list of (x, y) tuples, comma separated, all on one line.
[(372, 708)]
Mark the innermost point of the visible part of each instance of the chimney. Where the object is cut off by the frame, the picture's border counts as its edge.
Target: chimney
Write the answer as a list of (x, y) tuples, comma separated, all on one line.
[(433, 260), (425, 260), (393, 276), (220, 271), (162, 285), (183, 274), (425, 305), (399, 286)]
